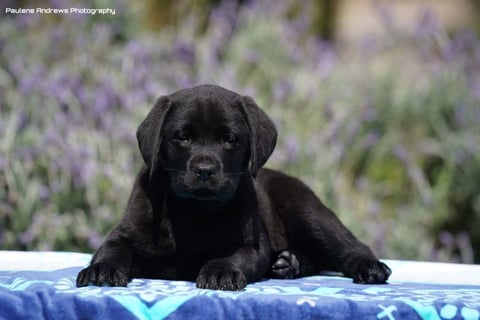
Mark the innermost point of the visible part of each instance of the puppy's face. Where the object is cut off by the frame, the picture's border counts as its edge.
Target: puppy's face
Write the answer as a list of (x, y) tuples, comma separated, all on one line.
[(205, 147), (206, 138)]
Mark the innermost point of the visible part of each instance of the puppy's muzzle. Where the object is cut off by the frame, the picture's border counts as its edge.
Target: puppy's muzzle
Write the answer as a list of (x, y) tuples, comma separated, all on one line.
[(204, 167), (204, 171)]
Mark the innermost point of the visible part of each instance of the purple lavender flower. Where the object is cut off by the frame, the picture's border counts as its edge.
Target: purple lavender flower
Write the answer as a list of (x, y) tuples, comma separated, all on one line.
[(94, 240), (223, 21), (32, 81), (465, 247), (80, 164), (325, 58), (370, 139), (185, 81), (44, 193), (101, 104), (137, 50), (401, 153), (369, 113), (292, 147), (26, 153), (3, 162), (251, 56), (458, 48), (25, 238), (59, 3), (369, 46), (27, 21), (386, 16), (352, 131), (447, 239), (22, 121), (281, 90), (184, 52), (428, 24)]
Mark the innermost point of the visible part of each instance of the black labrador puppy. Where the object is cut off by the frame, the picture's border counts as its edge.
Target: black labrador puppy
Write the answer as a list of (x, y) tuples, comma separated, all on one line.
[(202, 209)]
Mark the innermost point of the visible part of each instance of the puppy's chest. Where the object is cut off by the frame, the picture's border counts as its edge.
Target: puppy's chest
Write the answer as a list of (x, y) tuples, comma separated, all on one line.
[(196, 236)]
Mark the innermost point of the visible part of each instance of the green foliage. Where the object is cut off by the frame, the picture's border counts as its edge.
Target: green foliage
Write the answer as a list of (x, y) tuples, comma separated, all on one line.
[(387, 134)]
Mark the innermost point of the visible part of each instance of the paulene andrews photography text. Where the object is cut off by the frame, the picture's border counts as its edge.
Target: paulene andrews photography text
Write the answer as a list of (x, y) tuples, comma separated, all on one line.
[(92, 11)]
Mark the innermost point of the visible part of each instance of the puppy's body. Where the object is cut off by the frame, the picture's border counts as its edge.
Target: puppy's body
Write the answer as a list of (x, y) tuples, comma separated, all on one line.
[(202, 209)]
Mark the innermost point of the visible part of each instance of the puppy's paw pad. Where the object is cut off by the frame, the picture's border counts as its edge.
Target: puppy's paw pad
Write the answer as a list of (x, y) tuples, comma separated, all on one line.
[(102, 274), (372, 272), (286, 266), (217, 276)]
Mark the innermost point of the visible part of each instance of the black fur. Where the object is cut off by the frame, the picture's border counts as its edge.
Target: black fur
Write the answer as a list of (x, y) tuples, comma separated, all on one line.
[(203, 209)]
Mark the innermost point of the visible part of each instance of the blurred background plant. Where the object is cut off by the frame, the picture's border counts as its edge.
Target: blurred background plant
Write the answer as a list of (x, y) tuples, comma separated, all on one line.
[(377, 108)]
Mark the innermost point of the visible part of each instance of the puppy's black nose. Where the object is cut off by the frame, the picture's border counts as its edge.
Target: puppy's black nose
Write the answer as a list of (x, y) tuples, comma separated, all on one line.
[(204, 171)]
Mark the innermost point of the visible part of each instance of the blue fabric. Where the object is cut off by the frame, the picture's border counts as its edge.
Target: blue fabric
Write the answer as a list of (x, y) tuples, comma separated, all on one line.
[(53, 295)]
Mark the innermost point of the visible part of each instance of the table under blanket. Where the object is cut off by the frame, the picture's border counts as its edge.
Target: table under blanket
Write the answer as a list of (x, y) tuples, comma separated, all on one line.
[(41, 285)]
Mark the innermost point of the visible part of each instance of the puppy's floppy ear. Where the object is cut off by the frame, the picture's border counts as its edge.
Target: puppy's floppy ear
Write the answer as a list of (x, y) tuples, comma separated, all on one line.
[(149, 134), (262, 134)]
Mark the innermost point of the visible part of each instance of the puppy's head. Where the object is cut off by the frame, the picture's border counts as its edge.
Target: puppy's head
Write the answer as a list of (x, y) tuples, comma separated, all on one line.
[(205, 138)]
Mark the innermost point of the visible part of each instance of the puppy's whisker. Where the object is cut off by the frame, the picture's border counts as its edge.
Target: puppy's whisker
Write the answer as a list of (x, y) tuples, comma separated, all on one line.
[(235, 173)]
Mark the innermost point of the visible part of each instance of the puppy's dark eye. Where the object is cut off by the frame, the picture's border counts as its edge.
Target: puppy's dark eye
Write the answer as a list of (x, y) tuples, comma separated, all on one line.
[(182, 136), (229, 138)]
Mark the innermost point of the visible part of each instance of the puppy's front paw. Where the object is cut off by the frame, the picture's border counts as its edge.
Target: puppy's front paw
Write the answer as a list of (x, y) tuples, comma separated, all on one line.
[(221, 276), (286, 266), (102, 274), (371, 272)]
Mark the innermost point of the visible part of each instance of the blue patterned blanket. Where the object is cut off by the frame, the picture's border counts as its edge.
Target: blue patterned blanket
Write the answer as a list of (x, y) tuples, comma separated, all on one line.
[(37, 285)]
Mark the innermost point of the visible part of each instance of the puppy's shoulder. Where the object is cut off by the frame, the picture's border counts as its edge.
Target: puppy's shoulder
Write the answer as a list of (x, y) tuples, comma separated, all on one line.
[(278, 184), (267, 177)]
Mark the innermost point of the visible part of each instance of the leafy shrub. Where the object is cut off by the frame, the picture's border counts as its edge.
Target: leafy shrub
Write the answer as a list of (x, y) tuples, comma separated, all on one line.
[(387, 134)]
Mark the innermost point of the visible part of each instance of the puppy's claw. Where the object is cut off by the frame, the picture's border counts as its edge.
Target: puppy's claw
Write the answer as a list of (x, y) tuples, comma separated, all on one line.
[(372, 272), (286, 266), (218, 276), (102, 274)]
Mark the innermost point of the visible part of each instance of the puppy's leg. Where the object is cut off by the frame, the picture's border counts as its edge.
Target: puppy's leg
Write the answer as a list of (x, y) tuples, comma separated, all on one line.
[(289, 264), (332, 247), (233, 272), (317, 233), (247, 264), (111, 264), (285, 265), (109, 267)]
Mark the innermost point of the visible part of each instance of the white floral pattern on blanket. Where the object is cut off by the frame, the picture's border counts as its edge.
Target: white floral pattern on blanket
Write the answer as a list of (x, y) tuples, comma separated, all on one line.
[(317, 296)]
